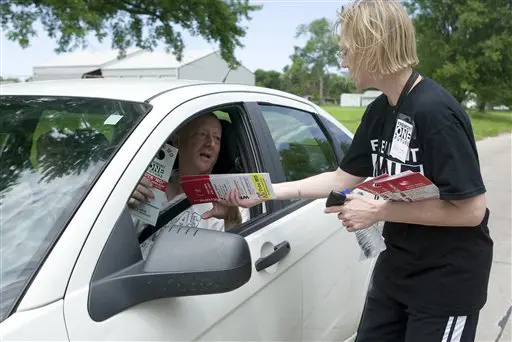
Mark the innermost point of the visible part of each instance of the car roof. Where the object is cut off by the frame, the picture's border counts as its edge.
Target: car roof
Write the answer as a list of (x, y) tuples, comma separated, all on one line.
[(134, 89), (112, 88)]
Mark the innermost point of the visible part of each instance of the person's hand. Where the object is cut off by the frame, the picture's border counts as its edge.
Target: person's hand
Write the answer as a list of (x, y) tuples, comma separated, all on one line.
[(233, 200), (358, 212), (141, 193), (219, 211), (230, 215)]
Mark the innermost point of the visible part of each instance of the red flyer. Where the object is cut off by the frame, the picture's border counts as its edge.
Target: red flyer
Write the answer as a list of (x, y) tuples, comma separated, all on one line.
[(370, 187), (209, 188), (199, 190), (187, 178), (411, 186)]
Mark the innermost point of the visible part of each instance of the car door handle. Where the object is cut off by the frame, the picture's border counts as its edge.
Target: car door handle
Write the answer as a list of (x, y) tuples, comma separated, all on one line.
[(280, 251)]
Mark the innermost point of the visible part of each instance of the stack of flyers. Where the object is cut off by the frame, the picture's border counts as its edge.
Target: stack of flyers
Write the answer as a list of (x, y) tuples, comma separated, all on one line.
[(406, 186), (158, 173), (370, 187), (209, 188)]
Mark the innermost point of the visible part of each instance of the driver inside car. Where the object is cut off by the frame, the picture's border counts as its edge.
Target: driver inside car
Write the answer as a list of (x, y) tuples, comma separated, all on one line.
[(198, 143)]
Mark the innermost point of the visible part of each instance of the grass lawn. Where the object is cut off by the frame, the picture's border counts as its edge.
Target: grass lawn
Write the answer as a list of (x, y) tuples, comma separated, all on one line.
[(484, 125)]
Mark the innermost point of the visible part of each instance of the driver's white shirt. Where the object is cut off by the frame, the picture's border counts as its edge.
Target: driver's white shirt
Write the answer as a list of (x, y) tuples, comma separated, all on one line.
[(190, 218)]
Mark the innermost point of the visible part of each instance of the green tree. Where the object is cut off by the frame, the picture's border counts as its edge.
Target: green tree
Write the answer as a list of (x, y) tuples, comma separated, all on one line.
[(319, 53), (268, 79), (466, 45), (297, 78), (140, 23), (9, 80), (337, 84)]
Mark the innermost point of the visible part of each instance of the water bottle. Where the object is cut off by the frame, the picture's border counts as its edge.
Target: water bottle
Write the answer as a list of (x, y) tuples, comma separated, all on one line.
[(370, 240)]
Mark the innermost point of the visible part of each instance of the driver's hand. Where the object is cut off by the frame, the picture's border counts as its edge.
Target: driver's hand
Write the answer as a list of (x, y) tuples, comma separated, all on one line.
[(230, 215), (142, 193)]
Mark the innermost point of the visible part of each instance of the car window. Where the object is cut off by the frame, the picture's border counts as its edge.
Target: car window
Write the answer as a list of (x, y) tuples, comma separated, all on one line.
[(341, 138), (172, 213), (51, 150), (303, 147)]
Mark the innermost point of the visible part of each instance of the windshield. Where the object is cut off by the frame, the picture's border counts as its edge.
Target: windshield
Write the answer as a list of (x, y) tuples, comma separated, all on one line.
[(51, 151)]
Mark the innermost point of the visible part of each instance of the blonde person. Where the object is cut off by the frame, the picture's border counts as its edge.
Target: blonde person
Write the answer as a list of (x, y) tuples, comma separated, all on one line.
[(431, 281)]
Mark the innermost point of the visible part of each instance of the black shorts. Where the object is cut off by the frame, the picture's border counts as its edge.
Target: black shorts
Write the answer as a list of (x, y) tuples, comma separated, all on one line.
[(385, 319)]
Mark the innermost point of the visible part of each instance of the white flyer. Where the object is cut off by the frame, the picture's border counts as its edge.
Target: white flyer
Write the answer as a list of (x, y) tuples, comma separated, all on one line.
[(158, 173), (401, 140)]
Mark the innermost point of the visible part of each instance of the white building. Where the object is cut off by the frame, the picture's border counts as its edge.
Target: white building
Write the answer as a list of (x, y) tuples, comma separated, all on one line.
[(195, 65), (75, 64), (359, 99)]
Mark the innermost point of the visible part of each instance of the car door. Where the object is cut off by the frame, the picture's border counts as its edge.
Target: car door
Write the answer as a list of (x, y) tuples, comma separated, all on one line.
[(267, 307), (334, 280)]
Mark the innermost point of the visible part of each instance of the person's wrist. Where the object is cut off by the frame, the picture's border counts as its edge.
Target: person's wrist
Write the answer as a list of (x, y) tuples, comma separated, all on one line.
[(381, 209)]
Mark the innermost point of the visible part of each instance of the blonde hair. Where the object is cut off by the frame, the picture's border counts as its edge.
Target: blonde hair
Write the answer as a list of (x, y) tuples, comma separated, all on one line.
[(378, 37)]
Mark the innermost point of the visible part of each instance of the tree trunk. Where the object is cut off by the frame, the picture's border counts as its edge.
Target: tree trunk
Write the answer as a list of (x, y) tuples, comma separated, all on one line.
[(481, 106), (321, 90), (459, 95)]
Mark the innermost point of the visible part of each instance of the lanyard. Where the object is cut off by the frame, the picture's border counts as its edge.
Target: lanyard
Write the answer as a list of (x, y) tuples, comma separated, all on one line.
[(381, 169)]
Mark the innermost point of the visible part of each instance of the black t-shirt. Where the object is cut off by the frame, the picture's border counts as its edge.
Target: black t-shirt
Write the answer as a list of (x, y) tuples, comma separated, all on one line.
[(442, 270)]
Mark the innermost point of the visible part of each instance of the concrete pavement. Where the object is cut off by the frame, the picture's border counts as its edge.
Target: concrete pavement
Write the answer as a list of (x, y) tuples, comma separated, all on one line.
[(496, 164)]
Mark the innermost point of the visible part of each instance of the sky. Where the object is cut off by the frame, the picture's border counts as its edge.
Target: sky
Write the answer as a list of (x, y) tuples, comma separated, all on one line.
[(268, 43)]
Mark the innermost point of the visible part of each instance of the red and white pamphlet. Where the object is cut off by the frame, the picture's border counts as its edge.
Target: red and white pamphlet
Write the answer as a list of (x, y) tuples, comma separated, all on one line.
[(406, 186), (209, 188), (369, 186), (158, 173)]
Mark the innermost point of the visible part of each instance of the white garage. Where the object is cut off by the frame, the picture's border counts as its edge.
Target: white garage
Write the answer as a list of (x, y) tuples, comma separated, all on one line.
[(359, 99), (75, 64), (195, 65)]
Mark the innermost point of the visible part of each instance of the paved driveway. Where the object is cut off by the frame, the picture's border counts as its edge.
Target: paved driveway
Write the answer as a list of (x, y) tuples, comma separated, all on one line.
[(495, 159)]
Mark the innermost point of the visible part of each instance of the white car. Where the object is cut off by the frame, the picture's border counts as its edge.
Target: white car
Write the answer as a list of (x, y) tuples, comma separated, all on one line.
[(72, 152)]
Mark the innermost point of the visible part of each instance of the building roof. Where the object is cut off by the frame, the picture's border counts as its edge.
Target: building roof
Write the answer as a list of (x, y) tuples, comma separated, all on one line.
[(134, 59), (157, 60), (84, 58)]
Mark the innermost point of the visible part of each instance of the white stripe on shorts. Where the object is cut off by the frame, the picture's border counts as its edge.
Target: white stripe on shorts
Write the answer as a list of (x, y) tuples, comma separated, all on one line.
[(447, 329), (457, 323), (459, 328)]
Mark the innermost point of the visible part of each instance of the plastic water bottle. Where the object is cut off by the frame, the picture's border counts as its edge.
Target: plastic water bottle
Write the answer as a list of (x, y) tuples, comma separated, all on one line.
[(370, 240)]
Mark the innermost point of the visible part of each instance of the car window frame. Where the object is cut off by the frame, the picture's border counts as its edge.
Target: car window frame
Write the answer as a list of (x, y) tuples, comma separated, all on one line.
[(271, 160), (289, 206), (251, 142)]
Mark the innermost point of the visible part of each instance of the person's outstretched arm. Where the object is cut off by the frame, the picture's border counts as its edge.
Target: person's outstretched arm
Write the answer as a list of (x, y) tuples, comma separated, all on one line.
[(314, 187), (317, 186)]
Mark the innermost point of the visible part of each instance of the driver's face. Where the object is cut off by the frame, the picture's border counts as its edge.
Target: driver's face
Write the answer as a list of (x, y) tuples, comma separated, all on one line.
[(201, 146)]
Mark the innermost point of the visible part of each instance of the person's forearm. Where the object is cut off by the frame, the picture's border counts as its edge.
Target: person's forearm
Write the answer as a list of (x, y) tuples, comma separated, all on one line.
[(467, 213), (318, 186)]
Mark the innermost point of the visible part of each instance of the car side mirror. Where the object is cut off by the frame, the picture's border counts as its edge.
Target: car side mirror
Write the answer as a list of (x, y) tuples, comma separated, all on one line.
[(199, 261), (182, 262)]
